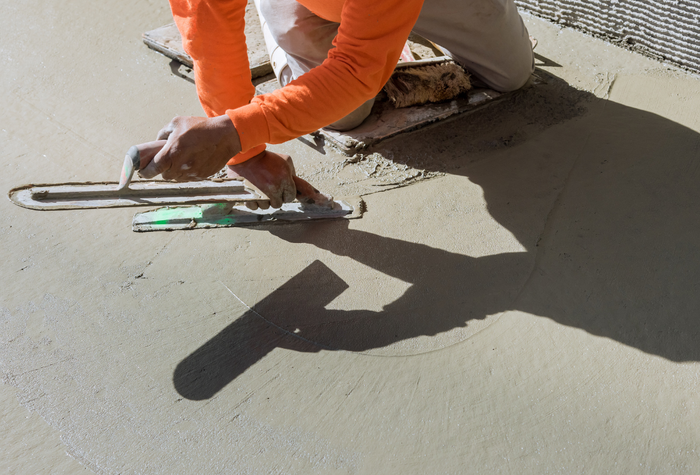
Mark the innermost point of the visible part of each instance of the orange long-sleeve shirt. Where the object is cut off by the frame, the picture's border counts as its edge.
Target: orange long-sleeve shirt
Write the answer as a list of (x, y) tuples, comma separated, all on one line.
[(367, 47)]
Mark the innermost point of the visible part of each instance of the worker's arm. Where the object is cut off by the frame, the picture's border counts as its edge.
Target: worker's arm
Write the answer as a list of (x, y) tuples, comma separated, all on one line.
[(197, 147), (213, 35), (367, 47), (270, 172)]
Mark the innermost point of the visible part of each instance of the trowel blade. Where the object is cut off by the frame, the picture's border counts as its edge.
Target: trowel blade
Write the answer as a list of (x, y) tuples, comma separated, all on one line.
[(200, 217)]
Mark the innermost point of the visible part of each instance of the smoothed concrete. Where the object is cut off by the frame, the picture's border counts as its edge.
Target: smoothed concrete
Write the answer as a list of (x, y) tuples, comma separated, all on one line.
[(528, 305)]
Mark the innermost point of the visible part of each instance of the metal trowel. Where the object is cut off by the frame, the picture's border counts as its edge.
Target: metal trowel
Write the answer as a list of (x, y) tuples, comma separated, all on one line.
[(183, 205)]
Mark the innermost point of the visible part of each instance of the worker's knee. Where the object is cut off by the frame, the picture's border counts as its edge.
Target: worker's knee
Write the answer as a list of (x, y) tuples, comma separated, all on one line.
[(354, 118), (513, 80), (303, 37)]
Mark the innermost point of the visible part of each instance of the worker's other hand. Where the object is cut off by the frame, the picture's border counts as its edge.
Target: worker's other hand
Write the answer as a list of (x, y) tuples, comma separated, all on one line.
[(195, 148), (273, 174)]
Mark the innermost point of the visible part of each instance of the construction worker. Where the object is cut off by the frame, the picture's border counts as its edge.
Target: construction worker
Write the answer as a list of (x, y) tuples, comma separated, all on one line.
[(332, 57)]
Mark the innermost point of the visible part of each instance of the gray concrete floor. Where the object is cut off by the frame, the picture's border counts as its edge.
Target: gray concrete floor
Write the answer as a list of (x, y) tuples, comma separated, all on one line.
[(528, 305)]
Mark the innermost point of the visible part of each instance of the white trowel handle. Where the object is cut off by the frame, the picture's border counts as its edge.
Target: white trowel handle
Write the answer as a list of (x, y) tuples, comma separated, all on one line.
[(148, 150), (137, 157)]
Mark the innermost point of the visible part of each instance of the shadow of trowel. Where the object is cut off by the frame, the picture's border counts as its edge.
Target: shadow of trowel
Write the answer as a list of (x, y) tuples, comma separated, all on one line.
[(247, 340)]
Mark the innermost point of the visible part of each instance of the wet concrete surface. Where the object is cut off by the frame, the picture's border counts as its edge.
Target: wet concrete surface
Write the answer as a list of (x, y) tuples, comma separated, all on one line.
[(528, 304)]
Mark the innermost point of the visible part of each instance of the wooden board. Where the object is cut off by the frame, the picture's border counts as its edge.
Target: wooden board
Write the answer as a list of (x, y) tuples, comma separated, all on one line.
[(167, 40), (386, 121)]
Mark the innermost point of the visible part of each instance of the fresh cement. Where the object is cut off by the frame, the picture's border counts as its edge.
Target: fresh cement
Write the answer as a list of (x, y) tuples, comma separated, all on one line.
[(530, 309)]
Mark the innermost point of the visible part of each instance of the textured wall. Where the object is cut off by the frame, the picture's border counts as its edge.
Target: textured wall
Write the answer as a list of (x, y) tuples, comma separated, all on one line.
[(667, 29)]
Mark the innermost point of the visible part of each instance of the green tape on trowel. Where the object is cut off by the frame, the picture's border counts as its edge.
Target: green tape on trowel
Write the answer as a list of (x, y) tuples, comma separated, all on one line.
[(166, 215), (179, 218)]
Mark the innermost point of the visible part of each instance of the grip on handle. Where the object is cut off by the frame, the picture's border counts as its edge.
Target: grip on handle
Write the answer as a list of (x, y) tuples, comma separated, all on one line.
[(135, 156), (132, 160)]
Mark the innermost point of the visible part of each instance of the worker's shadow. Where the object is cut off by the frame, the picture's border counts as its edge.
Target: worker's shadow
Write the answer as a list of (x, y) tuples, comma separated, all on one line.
[(606, 206)]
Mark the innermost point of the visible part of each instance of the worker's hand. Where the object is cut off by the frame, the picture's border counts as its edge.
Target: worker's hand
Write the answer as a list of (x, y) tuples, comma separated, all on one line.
[(195, 148), (273, 174)]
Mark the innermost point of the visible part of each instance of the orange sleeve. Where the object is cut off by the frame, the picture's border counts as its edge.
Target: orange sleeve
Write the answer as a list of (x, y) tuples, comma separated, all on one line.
[(213, 35), (368, 45)]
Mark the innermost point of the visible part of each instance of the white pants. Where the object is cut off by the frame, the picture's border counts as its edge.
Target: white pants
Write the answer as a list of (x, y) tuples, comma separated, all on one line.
[(487, 37)]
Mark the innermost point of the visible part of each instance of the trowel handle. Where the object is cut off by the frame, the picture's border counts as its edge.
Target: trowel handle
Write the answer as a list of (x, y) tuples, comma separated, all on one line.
[(145, 152), (137, 157)]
